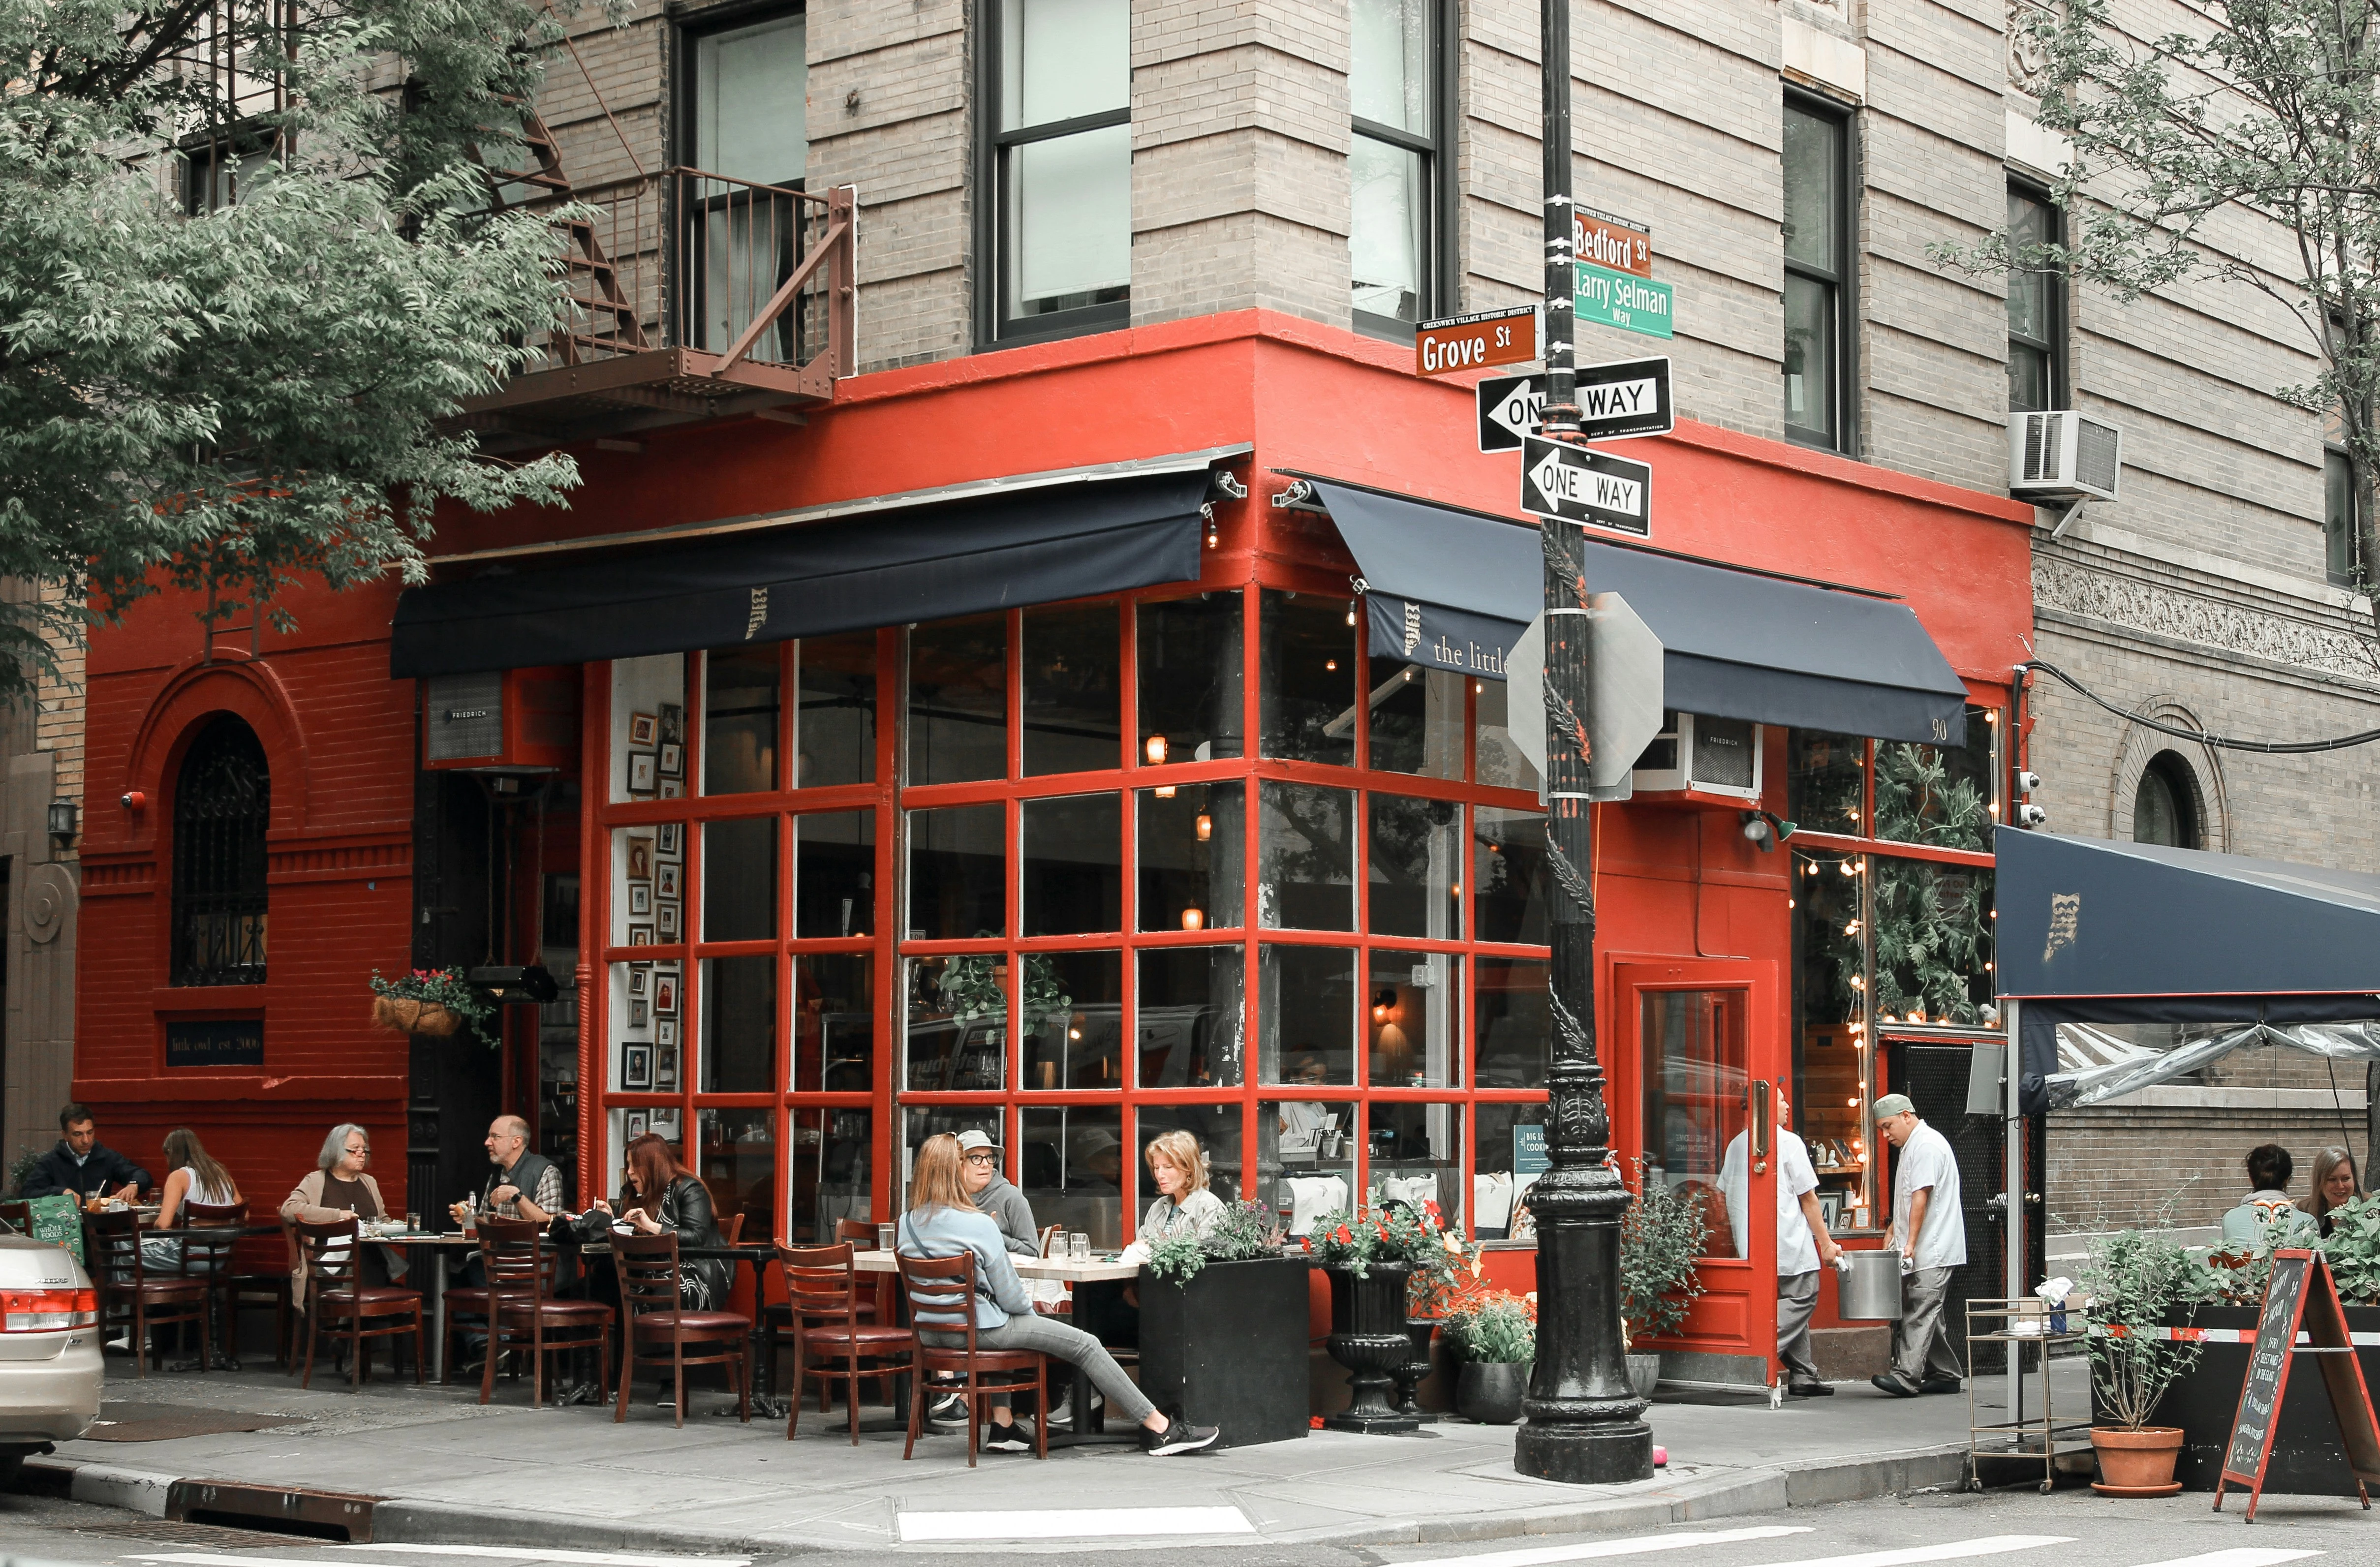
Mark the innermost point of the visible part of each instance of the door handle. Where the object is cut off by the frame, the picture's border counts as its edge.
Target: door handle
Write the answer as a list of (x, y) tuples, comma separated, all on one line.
[(1761, 1092)]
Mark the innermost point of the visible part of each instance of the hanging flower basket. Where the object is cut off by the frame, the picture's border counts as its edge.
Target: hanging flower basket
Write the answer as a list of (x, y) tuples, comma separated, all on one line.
[(406, 1015), (432, 1002)]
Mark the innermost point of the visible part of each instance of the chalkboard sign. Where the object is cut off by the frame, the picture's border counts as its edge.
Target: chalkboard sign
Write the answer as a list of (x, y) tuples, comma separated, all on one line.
[(2300, 1296), (218, 1042)]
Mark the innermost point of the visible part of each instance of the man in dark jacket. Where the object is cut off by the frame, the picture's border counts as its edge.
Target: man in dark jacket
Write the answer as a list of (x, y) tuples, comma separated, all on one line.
[(81, 1166)]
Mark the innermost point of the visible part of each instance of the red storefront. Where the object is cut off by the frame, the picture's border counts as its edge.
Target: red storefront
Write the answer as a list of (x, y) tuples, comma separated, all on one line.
[(891, 775)]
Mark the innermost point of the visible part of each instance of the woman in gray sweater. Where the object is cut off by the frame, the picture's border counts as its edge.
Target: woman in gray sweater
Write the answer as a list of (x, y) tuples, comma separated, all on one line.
[(943, 1221)]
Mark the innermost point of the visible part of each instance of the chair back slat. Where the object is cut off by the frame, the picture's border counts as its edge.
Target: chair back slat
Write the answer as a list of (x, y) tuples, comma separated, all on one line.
[(210, 1254), (820, 1282), (942, 1293), (113, 1241), (516, 1262), (330, 1251), (647, 1265), (858, 1231)]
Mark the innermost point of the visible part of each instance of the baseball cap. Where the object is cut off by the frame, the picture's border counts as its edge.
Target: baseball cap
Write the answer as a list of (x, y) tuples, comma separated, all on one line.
[(1891, 1105), (971, 1140)]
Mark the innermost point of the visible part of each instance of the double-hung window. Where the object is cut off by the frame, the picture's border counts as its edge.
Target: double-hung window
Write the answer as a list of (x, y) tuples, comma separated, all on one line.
[(2034, 316), (1819, 274), (2342, 539), (1060, 166), (746, 133), (1394, 161)]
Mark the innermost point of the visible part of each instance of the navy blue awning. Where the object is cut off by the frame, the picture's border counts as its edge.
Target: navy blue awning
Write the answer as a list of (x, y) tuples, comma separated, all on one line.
[(2092, 931), (1453, 588), (1098, 534)]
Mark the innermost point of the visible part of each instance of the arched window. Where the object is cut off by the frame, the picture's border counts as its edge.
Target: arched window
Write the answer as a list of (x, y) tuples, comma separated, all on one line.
[(222, 803), (2164, 805)]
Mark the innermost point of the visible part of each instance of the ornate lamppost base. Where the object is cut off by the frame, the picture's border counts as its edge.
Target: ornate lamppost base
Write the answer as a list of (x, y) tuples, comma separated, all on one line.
[(1587, 1455)]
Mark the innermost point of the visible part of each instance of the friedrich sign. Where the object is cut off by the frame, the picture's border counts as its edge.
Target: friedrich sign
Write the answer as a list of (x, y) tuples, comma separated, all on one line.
[(1476, 342)]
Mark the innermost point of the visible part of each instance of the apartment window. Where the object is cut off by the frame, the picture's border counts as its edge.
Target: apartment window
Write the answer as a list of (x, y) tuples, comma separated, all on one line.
[(748, 119), (1395, 159), (1061, 150), (2342, 539), (1817, 275), (743, 131), (216, 171), (2035, 316), (2164, 804), (223, 807)]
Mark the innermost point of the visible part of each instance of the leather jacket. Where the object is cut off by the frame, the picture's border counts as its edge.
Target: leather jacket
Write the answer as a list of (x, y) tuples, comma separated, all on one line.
[(686, 1207)]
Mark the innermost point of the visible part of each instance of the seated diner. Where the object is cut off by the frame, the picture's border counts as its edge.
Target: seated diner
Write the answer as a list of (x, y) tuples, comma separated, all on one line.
[(341, 1187), (191, 1175), (657, 1193), (1110, 1311), (2267, 1217)]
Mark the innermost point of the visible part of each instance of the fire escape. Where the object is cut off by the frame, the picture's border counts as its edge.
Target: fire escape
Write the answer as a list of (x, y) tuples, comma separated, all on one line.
[(691, 297)]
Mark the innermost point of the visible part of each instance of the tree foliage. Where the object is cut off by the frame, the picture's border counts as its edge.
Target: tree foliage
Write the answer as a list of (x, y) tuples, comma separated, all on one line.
[(232, 397)]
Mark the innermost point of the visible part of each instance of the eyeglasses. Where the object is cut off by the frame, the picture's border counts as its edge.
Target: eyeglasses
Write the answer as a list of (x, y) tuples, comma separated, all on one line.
[(983, 1158)]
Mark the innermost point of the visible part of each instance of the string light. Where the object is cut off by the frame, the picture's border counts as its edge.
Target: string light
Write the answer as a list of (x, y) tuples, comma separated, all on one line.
[(1155, 749), (1206, 827)]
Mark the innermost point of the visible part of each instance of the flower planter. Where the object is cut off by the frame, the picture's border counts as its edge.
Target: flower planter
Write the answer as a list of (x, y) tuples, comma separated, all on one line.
[(1367, 1337), (1644, 1374), (1409, 1376), (1229, 1347), (1489, 1393), (2306, 1460), (407, 1016), (2136, 1462)]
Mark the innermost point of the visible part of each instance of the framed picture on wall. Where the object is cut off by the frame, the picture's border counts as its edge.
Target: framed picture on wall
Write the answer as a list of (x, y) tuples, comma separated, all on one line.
[(664, 995), (665, 1033), (665, 879), (1830, 1208), (640, 859), (637, 1124), (673, 788), (644, 729), (664, 1124), (672, 722), (641, 773), (640, 935), (637, 1068), (669, 844), (665, 1068), (640, 899), (636, 1012), (673, 760), (640, 976), (665, 920)]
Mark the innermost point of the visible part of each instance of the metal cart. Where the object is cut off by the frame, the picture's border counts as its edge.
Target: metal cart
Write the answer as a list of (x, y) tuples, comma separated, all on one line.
[(2019, 1437)]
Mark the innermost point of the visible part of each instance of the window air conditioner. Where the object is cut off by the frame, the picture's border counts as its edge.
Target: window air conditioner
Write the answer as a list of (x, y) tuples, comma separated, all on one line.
[(513, 718), (2064, 455), (1706, 756)]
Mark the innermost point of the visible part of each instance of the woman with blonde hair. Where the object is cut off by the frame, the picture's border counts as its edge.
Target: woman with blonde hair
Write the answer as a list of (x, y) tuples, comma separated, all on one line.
[(1177, 1168), (2336, 1183), (191, 1175), (943, 1221)]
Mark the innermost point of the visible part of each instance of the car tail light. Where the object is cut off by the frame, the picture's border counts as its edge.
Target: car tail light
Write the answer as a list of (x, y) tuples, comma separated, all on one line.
[(47, 1311)]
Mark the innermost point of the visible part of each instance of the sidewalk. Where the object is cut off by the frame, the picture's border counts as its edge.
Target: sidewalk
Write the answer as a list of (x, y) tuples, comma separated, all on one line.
[(444, 1468)]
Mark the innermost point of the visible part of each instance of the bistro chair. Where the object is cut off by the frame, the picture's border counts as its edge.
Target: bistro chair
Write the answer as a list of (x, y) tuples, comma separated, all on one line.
[(875, 1302), (941, 1299), (18, 1214), (129, 1297), (258, 1285), (648, 1266), (520, 1270), (732, 1232), (831, 1321), (336, 1292), (208, 1259)]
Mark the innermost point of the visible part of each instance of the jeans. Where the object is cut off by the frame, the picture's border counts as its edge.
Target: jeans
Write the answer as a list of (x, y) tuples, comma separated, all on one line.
[(1921, 1339), (1797, 1299), (1076, 1348)]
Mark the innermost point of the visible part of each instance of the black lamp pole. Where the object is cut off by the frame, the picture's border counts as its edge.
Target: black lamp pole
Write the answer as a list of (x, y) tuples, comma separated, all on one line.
[(1584, 1420)]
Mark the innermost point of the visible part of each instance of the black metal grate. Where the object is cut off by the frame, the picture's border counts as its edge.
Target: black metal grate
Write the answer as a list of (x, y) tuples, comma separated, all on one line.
[(222, 803)]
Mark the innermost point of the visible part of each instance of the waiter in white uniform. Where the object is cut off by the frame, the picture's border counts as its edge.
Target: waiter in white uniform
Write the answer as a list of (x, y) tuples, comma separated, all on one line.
[(1931, 1236), (1803, 1244)]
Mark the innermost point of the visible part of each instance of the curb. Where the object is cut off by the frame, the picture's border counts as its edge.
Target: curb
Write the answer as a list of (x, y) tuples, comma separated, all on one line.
[(1724, 1493)]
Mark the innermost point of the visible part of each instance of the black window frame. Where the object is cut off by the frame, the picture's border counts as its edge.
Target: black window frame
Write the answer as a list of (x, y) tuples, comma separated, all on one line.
[(2337, 458), (2053, 303), (687, 26), (994, 327), (223, 873), (1842, 436), (1439, 262)]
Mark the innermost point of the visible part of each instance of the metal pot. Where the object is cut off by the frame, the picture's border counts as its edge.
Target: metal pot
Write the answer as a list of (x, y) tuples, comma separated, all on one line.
[(1870, 1287)]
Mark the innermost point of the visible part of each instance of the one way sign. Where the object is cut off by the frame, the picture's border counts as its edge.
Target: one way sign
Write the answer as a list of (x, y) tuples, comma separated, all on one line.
[(1510, 407), (1582, 486), (1630, 397)]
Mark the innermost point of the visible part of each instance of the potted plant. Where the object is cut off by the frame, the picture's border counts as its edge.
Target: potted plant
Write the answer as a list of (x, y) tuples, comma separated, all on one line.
[(1443, 1265), (1497, 1335), (1368, 1277), (1224, 1327), (436, 1001), (1660, 1241), (2138, 1280)]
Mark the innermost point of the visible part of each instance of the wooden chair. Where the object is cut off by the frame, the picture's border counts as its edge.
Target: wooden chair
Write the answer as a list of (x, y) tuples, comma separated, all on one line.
[(129, 1297), (732, 1232), (941, 1299), (335, 1291), (1049, 1233), (648, 1293), (209, 1260), (18, 1214), (875, 1302), (830, 1320), (255, 1283), (520, 1271)]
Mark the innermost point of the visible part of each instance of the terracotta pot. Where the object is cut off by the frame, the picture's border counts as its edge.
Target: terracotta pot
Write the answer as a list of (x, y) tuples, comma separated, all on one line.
[(2136, 1462), (407, 1016)]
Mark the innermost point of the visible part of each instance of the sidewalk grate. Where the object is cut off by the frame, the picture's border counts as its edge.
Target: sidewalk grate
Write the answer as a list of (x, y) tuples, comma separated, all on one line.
[(282, 1510)]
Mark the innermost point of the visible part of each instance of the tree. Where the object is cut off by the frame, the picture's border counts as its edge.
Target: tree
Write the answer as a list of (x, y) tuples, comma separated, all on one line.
[(247, 270)]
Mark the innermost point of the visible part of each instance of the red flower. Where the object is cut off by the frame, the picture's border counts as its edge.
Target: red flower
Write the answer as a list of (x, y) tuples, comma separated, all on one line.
[(1314, 1422), (1341, 1236)]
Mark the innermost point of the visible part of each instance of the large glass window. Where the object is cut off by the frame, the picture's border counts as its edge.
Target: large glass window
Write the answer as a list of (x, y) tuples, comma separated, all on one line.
[(1073, 1020), (1073, 709), (1415, 868), (1306, 1014), (1061, 166), (1190, 1025), (1309, 679), (1817, 272), (1189, 663), (1393, 161), (740, 709), (1192, 845), (1694, 1081), (1416, 720), (2034, 317), (958, 873), (1306, 841), (1072, 869), (958, 701), (223, 807), (835, 733), (2342, 539)]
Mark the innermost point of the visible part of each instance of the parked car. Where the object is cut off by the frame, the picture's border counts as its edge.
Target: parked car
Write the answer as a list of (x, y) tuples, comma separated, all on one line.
[(50, 1369)]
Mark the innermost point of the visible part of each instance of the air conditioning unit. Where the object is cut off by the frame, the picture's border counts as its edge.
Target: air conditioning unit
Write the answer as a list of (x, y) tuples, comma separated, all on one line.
[(512, 718), (2064, 456), (1701, 755)]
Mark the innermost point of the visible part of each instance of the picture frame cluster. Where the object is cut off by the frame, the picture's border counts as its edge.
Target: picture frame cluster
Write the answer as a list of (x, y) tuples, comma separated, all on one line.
[(646, 1003)]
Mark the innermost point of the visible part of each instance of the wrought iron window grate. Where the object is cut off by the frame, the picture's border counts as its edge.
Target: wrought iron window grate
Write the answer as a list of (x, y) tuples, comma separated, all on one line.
[(222, 803)]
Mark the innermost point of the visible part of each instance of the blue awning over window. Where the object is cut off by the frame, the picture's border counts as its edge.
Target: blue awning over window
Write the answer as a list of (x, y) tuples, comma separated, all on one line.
[(1453, 588)]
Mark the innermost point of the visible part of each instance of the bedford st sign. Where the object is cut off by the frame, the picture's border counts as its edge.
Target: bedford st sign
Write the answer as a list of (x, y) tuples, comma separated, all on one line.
[(1591, 488)]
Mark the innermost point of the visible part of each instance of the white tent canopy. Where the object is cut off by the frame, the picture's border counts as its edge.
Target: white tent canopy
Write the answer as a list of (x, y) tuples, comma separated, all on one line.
[(2095, 1065)]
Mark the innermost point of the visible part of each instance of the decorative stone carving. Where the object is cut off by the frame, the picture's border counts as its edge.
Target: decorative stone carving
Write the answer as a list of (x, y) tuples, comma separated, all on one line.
[(49, 902), (2246, 628), (2026, 57)]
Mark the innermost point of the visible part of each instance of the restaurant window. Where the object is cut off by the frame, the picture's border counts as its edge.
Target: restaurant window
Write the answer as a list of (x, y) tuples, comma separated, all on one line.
[(223, 807), (1818, 233), (2342, 535), (2036, 308), (1394, 162), (1059, 223)]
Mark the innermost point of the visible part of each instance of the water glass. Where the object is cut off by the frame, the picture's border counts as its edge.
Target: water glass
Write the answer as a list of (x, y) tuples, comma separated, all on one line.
[(884, 1236), (412, 1224), (1078, 1247)]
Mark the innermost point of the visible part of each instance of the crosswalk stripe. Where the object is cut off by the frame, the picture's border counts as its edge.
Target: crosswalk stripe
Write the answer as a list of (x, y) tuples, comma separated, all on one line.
[(539, 1553), (1949, 1550), (1634, 1546), (1074, 1523), (2238, 1556)]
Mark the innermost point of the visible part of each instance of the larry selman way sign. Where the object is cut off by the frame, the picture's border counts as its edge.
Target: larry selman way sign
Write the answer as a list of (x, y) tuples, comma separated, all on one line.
[(1592, 488)]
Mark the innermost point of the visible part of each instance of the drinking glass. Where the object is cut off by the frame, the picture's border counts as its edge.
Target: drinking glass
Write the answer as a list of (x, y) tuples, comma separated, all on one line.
[(884, 1237), (1078, 1247), (412, 1224)]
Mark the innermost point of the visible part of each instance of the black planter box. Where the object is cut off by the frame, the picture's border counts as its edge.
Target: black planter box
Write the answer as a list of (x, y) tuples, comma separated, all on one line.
[(2307, 1459), (1230, 1348)]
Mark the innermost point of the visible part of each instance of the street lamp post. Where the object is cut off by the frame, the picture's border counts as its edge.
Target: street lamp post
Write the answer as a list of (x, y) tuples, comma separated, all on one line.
[(1586, 1422)]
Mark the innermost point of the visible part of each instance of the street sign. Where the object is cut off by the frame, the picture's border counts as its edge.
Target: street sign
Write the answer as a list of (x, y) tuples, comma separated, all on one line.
[(1510, 407), (1623, 696), (1582, 486), (1621, 244), (1626, 398), (1482, 341), (1623, 299)]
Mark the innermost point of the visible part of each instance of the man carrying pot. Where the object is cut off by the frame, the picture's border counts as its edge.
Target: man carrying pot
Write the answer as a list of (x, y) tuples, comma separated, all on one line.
[(1803, 1244), (1931, 1236)]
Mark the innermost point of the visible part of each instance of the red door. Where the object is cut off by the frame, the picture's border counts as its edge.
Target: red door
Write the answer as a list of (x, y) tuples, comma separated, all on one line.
[(1702, 1038)]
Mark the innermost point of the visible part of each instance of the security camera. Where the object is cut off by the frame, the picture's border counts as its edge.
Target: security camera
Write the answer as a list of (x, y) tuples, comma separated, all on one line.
[(2026, 782), (2030, 815)]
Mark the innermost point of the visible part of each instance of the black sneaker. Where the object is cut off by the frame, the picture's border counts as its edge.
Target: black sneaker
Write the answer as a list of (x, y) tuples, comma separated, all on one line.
[(951, 1410), (1011, 1438), (1894, 1383), (1179, 1436), (1810, 1390), (1938, 1385)]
